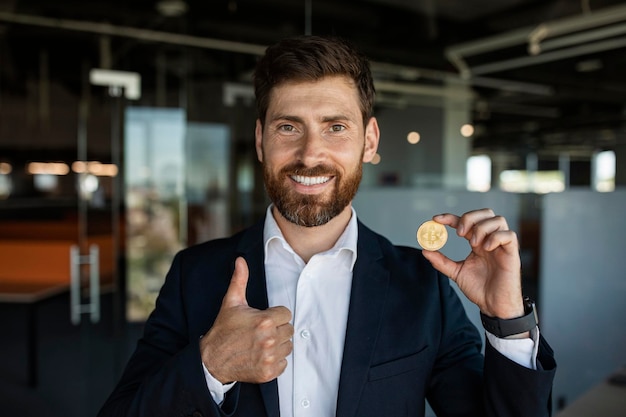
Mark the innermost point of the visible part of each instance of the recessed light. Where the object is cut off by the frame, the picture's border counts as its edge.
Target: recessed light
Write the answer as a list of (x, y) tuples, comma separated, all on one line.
[(589, 65), (171, 8)]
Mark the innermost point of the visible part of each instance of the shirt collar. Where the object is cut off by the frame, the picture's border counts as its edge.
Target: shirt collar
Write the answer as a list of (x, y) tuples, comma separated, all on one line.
[(347, 241)]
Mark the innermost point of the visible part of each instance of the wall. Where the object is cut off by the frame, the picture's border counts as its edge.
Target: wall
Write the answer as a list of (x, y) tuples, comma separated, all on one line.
[(408, 163), (583, 287)]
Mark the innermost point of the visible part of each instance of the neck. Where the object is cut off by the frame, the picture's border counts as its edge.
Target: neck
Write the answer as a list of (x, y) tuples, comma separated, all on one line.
[(307, 241)]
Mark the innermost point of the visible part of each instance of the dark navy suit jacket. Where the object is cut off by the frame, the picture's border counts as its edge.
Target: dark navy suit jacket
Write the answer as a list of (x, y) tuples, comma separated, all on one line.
[(408, 339)]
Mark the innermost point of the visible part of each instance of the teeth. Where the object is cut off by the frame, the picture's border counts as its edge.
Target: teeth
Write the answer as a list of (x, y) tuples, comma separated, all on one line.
[(309, 180)]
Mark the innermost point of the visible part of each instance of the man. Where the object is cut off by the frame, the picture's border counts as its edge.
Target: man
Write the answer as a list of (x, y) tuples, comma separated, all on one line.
[(310, 313)]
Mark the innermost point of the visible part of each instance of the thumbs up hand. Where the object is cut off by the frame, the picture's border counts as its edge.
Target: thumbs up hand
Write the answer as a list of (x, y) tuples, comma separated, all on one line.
[(246, 344)]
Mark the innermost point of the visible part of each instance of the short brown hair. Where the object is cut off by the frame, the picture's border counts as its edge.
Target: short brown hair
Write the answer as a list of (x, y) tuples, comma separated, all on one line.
[(310, 58)]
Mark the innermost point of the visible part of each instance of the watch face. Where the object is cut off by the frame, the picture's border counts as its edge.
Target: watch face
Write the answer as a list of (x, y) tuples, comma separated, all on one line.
[(528, 304)]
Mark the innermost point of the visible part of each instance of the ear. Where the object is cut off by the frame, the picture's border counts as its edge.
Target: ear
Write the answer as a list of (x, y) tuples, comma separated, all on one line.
[(372, 136), (258, 140)]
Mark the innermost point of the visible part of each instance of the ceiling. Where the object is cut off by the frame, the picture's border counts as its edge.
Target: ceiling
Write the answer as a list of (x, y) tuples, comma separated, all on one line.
[(571, 95)]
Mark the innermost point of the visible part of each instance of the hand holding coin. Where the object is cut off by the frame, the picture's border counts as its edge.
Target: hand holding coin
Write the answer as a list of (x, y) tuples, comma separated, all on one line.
[(432, 235), (490, 275)]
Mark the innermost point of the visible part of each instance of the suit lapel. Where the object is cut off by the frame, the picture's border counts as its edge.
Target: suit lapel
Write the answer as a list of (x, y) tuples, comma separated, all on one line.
[(369, 289), (251, 248)]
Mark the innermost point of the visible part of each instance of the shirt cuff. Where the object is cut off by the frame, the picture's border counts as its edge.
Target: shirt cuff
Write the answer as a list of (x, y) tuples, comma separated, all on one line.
[(520, 351), (216, 388)]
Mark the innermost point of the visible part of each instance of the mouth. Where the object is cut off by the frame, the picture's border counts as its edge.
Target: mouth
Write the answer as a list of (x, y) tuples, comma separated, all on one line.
[(309, 181)]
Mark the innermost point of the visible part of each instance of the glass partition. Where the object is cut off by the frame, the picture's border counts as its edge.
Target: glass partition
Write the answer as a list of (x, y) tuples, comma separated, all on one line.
[(177, 193)]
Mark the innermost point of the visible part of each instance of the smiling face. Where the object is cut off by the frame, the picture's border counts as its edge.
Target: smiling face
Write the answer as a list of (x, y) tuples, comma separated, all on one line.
[(312, 146)]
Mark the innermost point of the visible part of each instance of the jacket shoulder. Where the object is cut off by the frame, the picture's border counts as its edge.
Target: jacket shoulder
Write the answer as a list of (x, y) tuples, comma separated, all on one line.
[(398, 253)]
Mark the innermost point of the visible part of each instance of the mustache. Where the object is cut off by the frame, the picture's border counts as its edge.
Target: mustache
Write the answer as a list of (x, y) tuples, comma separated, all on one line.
[(316, 171)]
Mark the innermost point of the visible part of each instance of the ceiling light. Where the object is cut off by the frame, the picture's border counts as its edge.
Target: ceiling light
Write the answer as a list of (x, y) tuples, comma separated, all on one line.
[(413, 138), (171, 8), (467, 130), (589, 65)]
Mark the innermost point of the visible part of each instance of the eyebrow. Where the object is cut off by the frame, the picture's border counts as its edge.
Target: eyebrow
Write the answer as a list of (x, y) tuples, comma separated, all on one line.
[(298, 119), (336, 117), (286, 117)]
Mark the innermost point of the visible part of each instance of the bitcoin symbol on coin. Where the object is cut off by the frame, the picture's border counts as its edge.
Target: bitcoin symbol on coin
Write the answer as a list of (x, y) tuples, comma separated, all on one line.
[(432, 235)]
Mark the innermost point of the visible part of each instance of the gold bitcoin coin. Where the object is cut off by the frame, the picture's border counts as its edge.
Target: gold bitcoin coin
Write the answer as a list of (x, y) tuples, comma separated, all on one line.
[(432, 235)]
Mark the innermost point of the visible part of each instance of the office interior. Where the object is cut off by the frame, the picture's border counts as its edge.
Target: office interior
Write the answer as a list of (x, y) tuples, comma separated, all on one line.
[(126, 134)]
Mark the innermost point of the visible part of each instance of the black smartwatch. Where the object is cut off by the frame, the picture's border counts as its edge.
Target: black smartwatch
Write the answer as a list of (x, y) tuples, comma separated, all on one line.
[(508, 327)]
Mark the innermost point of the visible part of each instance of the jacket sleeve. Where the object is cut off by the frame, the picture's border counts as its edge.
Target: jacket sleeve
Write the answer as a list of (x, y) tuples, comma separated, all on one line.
[(516, 391), (164, 376), (466, 383)]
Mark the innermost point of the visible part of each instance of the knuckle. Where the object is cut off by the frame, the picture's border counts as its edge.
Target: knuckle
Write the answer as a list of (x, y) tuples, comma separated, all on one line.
[(266, 374), (265, 322), (267, 360), (268, 343)]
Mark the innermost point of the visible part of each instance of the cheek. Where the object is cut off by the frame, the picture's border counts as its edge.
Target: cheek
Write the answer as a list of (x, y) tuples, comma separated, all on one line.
[(277, 155)]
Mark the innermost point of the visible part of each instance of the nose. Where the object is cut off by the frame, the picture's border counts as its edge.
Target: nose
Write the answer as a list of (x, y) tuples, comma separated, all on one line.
[(312, 149)]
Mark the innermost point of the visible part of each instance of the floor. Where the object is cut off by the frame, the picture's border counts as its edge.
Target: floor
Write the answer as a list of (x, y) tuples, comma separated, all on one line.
[(77, 365)]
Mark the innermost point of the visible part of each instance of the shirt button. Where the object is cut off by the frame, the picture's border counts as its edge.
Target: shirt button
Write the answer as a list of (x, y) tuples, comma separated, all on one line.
[(305, 334), (305, 403)]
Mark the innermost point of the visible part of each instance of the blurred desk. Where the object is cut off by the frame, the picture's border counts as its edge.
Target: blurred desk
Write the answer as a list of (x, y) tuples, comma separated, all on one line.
[(30, 295), (607, 399)]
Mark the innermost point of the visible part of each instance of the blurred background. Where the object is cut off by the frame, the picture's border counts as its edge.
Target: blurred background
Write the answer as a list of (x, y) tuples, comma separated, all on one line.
[(126, 134)]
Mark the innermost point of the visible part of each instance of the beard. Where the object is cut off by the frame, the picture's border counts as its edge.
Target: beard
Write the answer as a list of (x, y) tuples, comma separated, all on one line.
[(306, 209)]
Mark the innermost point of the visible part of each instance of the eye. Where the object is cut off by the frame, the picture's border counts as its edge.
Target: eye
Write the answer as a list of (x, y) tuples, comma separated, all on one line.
[(286, 128), (337, 128)]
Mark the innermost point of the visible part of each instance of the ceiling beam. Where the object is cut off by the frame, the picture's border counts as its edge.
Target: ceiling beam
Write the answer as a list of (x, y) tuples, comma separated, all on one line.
[(534, 35)]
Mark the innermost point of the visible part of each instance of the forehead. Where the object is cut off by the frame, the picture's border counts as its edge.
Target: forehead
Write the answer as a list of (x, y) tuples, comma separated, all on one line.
[(338, 90)]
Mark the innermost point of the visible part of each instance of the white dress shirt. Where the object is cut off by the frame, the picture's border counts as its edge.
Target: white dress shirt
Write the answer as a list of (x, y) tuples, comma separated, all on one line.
[(318, 295)]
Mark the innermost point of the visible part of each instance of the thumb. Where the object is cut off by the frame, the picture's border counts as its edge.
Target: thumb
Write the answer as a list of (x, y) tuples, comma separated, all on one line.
[(442, 263), (236, 293)]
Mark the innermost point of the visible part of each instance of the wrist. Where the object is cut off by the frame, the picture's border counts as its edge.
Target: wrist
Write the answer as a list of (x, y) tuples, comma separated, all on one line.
[(517, 327), (208, 361)]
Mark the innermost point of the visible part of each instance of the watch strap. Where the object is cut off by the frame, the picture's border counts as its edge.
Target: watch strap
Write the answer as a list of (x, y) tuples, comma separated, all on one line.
[(508, 327)]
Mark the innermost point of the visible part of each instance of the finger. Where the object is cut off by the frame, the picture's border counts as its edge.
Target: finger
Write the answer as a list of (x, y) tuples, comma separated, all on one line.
[(236, 293), (280, 314), (442, 263), (465, 225), (483, 229), (281, 366), (447, 219), (285, 332), (469, 220), (285, 349), (506, 239), (454, 222)]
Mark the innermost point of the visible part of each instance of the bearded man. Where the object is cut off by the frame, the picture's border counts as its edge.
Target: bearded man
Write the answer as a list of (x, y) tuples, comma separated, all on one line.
[(311, 313)]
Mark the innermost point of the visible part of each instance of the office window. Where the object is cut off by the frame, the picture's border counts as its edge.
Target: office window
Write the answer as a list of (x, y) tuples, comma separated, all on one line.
[(604, 171), (478, 173)]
